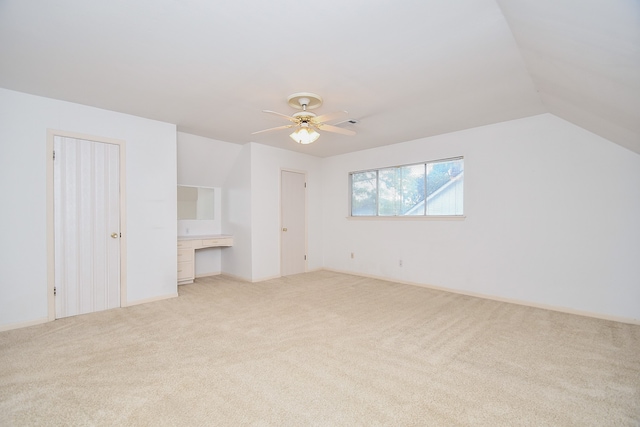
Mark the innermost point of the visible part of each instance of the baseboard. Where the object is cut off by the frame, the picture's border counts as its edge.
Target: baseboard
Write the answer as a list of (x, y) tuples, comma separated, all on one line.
[(264, 279), (215, 273), (560, 309), (244, 279), (19, 325), (234, 277), (147, 300)]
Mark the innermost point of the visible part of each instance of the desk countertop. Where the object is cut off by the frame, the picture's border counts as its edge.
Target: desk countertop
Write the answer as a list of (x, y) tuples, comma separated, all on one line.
[(203, 236)]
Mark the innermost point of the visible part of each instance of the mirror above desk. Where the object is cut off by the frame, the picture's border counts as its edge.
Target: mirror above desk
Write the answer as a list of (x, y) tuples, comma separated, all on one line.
[(199, 210), (200, 237), (196, 203)]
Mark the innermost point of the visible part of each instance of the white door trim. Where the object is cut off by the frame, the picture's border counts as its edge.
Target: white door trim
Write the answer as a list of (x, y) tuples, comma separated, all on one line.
[(306, 217), (51, 134)]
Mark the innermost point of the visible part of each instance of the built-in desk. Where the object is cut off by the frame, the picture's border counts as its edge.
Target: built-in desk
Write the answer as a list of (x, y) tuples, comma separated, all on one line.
[(187, 246)]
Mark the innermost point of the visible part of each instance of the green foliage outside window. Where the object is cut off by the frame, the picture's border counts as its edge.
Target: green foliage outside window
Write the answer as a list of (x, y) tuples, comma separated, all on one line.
[(407, 190)]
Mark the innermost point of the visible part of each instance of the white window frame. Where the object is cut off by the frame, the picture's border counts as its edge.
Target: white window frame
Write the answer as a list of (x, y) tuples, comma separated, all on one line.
[(424, 216)]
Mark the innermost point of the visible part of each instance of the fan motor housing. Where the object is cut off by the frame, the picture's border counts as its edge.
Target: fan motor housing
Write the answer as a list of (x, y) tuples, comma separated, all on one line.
[(304, 114), (304, 100)]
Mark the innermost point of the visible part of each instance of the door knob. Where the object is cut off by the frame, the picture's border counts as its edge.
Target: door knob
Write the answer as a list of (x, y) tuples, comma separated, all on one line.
[(284, 229), (114, 235)]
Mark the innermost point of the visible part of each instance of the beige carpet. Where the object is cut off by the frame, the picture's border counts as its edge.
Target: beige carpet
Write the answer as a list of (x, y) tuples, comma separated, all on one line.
[(321, 349)]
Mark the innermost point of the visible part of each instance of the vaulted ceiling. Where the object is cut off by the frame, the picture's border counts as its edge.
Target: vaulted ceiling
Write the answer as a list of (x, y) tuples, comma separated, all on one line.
[(403, 70)]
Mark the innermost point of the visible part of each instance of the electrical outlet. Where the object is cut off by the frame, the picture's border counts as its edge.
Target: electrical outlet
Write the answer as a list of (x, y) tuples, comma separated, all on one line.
[(400, 263), (353, 255)]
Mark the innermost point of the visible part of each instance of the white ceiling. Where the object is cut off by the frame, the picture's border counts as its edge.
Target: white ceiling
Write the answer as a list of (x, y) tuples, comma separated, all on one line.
[(403, 70)]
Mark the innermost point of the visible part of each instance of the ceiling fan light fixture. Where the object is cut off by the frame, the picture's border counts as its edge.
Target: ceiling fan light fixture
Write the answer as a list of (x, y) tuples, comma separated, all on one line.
[(305, 135), (306, 123)]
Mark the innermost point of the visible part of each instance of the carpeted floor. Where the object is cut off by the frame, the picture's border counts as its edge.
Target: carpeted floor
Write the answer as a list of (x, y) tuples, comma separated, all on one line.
[(323, 349)]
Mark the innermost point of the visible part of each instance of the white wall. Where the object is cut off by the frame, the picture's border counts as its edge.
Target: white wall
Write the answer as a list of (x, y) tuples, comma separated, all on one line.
[(552, 218), (236, 216), (552, 210), (151, 199), (251, 211), (205, 162), (266, 164)]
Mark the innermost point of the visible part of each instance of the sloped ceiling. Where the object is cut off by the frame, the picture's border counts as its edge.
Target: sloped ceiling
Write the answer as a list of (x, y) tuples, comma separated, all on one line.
[(584, 59), (403, 70)]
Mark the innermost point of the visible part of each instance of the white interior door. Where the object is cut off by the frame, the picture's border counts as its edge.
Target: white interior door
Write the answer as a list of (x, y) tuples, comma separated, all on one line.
[(86, 181), (294, 226)]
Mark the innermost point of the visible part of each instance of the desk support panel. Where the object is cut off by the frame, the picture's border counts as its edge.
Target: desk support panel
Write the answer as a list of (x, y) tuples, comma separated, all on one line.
[(186, 254)]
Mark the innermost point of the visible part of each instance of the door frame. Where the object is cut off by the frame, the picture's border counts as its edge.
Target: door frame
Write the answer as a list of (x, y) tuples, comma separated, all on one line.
[(306, 217), (51, 134)]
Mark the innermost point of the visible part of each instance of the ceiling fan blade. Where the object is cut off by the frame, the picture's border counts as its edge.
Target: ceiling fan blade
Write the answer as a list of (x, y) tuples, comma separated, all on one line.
[(334, 129), (292, 119), (329, 116), (270, 129)]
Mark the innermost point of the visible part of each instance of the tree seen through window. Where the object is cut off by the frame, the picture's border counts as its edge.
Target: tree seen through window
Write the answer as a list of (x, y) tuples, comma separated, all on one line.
[(432, 188)]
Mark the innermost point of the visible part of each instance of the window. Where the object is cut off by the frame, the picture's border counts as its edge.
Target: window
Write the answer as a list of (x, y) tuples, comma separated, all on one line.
[(423, 189)]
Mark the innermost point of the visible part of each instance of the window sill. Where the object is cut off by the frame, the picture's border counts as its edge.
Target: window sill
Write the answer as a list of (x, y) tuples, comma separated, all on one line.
[(409, 218)]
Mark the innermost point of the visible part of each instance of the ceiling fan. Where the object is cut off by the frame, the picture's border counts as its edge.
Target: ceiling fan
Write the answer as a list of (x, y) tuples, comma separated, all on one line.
[(307, 123)]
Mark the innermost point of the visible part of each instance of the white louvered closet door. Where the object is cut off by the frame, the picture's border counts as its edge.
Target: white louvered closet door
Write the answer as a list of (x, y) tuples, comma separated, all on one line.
[(86, 226)]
